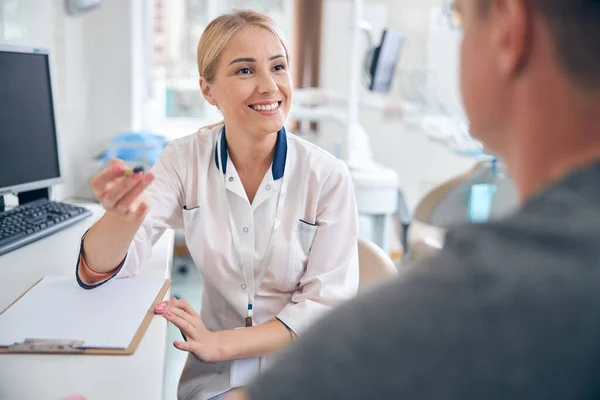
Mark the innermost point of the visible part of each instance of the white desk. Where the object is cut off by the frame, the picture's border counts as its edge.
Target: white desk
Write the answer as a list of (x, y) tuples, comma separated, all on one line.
[(34, 376)]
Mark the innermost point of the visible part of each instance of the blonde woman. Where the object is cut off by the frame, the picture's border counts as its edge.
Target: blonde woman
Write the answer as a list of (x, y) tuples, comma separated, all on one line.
[(270, 220)]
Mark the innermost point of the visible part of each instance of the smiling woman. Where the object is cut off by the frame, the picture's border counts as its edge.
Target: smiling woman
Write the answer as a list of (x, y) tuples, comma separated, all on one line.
[(237, 75), (270, 220)]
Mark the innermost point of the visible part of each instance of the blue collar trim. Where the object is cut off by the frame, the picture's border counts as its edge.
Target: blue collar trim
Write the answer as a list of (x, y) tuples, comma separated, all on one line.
[(278, 167)]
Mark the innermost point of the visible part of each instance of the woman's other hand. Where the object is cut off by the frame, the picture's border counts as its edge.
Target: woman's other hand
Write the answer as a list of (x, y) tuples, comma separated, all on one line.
[(120, 194), (204, 344)]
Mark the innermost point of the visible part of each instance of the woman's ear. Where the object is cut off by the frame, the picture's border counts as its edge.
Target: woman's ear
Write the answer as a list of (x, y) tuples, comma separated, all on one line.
[(206, 92)]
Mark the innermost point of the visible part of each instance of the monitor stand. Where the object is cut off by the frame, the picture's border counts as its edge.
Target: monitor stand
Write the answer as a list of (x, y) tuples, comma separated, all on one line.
[(28, 197)]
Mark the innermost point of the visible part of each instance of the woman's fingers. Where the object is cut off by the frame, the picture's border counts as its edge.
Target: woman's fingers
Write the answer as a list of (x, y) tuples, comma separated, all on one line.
[(199, 341), (184, 305), (160, 307), (119, 190), (182, 320), (124, 204), (141, 211), (184, 346), (116, 162), (102, 182)]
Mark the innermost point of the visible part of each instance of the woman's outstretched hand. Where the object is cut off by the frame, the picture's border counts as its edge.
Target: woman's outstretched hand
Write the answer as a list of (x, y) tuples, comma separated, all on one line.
[(120, 193)]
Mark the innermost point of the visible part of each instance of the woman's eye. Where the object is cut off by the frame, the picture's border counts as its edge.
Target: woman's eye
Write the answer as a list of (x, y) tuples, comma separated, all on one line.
[(244, 71), (279, 67)]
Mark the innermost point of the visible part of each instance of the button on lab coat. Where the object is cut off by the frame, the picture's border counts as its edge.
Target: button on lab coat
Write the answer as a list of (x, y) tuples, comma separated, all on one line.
[(314, 262)]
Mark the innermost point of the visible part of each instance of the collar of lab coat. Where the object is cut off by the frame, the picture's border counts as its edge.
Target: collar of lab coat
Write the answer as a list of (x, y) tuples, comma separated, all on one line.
[(278, 166)]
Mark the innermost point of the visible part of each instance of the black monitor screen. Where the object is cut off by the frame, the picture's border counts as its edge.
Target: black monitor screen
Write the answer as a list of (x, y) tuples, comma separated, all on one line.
[(28, 147), (384, 61)]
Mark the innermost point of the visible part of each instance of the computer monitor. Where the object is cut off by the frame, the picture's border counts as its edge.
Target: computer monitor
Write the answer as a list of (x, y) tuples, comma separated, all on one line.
[(29, 160), (384, 61)]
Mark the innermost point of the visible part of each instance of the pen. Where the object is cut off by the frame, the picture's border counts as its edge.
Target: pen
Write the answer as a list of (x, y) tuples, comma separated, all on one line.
[(133, 171)]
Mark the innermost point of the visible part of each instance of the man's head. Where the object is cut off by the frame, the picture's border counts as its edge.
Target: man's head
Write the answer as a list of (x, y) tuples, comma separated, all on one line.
[(516, 52)]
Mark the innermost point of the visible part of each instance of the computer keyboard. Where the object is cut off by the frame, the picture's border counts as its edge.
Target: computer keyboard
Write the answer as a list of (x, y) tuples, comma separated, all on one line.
[(33, 221)]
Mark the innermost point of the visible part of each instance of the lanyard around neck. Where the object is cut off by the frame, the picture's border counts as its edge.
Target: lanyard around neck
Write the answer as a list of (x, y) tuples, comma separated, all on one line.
[(252, 284)]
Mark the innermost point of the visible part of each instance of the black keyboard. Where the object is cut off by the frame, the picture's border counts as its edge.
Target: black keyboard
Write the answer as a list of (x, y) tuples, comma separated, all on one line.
[(33, 221)]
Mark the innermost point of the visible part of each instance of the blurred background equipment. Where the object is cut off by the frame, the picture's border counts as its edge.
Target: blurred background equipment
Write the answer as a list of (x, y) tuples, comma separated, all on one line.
[(76, 7), (485, 193), (136, 148), (382, 66)]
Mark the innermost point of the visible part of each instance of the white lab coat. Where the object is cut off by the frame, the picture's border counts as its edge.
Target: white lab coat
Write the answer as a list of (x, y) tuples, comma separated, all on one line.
[(314, 263)]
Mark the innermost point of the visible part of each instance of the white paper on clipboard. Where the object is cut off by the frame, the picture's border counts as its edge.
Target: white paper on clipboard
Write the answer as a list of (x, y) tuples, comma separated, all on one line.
[(58, 309)]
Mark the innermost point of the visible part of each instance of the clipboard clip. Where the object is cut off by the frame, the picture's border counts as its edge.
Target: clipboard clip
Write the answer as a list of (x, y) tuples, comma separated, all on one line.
[(47, 346)]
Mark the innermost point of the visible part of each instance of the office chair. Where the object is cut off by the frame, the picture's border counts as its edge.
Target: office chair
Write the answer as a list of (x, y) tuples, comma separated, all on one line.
[(374, 265), (403, 220)]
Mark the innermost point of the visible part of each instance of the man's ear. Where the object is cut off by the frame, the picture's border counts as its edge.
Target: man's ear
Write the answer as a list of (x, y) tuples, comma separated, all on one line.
[(511, 34), (207, 92)]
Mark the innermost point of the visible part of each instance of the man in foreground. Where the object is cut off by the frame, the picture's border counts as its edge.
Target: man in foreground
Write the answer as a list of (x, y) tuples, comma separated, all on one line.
[(508, 309)]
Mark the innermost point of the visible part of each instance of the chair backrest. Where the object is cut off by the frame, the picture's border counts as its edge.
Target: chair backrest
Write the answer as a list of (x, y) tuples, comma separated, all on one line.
[(374, 265)]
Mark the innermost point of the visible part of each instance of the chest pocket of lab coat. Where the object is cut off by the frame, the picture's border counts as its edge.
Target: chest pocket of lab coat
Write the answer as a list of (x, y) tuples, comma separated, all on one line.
[(302, 244), (190, 220)]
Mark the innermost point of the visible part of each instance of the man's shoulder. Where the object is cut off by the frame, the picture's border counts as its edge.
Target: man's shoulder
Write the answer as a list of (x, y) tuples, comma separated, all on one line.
[(554, 237)]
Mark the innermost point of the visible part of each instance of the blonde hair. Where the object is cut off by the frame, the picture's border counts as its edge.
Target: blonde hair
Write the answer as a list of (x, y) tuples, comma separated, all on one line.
[(219, 32)]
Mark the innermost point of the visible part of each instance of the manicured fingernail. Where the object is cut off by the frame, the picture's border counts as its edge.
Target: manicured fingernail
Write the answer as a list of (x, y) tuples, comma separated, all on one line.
[(160, 307), (149, 177)]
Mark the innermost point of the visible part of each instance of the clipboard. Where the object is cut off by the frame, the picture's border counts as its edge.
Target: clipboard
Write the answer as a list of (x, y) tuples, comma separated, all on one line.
[(69, 346)]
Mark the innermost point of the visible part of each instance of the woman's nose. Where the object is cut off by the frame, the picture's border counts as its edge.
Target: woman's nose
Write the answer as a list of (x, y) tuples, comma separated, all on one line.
[(266, 84)]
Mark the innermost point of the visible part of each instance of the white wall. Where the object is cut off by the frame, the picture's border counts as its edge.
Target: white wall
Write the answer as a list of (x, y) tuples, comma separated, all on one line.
[(110, 55), (92, 60), (39, 23)]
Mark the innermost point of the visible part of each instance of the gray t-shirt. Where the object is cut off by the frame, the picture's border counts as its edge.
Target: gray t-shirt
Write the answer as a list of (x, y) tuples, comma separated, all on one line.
[(508, 310)]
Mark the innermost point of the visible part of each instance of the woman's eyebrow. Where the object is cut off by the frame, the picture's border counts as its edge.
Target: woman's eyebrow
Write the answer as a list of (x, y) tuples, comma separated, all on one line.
[(243, 59), (253, 60)]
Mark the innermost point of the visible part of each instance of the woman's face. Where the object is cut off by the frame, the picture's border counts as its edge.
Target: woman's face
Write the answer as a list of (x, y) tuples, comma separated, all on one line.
[(252, 86)]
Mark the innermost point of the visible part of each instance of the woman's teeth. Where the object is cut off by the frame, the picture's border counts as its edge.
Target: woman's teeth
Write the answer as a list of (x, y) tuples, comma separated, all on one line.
[(267, 107)]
